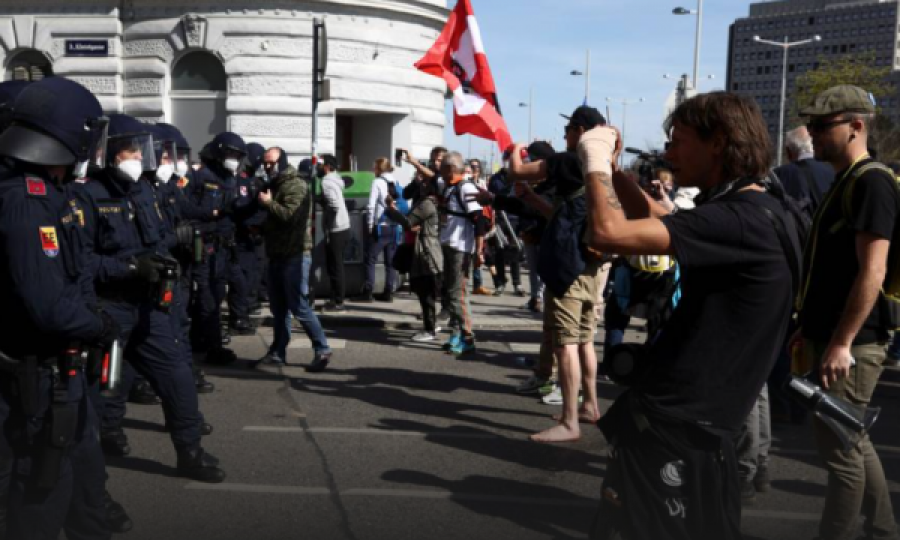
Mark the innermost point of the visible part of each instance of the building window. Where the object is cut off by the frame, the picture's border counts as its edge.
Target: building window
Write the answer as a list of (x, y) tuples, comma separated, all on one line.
[(812, 21), (28, 66), (735, 86), (199, 72)]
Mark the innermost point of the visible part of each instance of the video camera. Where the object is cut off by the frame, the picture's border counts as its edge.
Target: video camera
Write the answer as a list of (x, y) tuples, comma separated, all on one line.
[(647, 162)]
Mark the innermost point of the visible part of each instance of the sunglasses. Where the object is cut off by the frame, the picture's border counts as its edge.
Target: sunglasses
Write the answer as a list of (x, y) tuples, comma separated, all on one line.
[(820, 127)]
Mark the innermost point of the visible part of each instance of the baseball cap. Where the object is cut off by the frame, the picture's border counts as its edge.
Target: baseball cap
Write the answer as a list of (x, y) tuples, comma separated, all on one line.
[(838, 99), (586, 117)]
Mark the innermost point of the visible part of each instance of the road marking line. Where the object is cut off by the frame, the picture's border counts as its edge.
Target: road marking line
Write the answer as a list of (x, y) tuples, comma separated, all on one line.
[(301, 343), (365, 431), (251, 488), (770, 514), (449, 495)]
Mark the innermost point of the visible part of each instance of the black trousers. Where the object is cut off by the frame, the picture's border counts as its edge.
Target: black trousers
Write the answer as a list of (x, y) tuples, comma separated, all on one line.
[(426, 288), (334, 261), (502, 257)]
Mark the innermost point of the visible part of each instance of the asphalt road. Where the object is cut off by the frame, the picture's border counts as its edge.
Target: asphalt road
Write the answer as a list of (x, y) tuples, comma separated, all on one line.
[(400, 441)]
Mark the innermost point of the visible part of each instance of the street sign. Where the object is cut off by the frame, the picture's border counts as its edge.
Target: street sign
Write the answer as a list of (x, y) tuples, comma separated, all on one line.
[(87, 47)]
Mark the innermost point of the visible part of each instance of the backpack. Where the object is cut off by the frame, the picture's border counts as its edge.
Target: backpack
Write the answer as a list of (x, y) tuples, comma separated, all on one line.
[(486, 213), (890, 289)]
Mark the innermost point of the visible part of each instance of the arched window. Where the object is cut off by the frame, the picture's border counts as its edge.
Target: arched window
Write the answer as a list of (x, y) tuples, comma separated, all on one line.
[(199, 94), (28, 65), (198, 72)]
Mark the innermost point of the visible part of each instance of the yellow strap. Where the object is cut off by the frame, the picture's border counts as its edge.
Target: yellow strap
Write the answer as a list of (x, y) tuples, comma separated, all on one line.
[(812, 241)]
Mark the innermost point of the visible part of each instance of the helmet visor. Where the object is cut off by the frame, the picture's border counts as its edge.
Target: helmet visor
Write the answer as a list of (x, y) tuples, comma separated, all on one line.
[(132, 146)]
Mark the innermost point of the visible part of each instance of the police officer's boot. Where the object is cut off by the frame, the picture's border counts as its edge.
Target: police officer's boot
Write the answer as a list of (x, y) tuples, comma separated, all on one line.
[(226, 337), (221, 356), (203, 386), (143, 394), (114, 442), (242, 327), (116, 518), (206, 428), (200, 466)]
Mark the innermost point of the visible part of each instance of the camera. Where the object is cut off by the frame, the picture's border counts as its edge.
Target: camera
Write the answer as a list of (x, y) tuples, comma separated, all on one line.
[(398, 157)]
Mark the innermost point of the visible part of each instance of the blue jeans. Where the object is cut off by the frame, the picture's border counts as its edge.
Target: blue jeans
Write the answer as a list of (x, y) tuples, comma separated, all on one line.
[(289, 295), (386, 243)]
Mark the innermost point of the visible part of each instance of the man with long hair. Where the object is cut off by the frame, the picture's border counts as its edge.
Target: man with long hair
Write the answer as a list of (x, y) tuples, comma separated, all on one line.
[(672, 473)]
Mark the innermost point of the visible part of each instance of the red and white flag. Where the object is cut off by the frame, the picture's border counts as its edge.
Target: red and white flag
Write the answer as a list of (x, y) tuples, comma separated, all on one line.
[(458, 57)]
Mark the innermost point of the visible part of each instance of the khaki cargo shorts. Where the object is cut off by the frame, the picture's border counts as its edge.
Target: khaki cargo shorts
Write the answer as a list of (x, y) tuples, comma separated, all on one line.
[(570, 318)]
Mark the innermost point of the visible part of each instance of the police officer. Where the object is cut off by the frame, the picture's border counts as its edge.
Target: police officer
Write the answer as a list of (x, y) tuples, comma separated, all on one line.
[(58, 476), (249, 217), (213, 189), (180, 217), (125, 245)]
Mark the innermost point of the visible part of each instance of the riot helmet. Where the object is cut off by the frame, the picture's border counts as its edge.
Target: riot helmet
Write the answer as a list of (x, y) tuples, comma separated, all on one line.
[(228, 149), (129, 146), (54, 122), (182, 148)]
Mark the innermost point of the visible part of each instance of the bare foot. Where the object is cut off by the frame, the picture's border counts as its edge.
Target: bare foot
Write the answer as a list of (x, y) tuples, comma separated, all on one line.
[(584, 416), (558, 433)]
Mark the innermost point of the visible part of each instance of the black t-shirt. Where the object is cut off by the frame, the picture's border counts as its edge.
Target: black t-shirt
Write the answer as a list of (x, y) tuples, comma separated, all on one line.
[(564, 173), (714, 354), (831, 261)]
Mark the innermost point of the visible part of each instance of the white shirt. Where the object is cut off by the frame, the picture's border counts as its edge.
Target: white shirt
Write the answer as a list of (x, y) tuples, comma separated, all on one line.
[(377, 197), (459, 232)]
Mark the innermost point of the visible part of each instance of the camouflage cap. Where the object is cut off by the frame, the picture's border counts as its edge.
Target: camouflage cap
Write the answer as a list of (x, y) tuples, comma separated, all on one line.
[(838, 99)]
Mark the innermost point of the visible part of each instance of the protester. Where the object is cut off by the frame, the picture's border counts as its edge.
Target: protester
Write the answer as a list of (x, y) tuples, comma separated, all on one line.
[(288, 237), (686, 405), (428, 257), (337, 231), (462, 238), (843, 322), (381, 234), (569, 273)]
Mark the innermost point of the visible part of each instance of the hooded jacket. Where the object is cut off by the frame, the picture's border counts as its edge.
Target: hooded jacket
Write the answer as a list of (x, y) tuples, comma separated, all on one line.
[(288, 229), (376, 204)]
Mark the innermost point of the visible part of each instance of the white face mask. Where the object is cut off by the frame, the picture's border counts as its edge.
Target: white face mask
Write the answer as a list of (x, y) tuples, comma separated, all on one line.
[(132, 168), (164, 173), (80, 170), (467, 177), (181, 168), (231, 165)]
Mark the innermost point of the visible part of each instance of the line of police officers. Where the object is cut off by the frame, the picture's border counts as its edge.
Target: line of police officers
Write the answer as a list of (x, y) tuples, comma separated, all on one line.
[(106, 238)]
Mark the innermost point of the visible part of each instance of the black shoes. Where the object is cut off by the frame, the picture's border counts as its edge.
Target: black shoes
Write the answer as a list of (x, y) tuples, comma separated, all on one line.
[(221, 356), (386, 296), (203, 386), (365, 297), (748, 492), (200, 466), (319, 363), (117, 519), (331, 307), (143, 394), (761, 480), (242, 327), (114, 442), (205, 429)]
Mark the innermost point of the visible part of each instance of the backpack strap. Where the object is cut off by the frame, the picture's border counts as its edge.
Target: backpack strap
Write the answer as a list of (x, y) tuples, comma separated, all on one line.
[(847, 197), (459, 200), (787, 246)]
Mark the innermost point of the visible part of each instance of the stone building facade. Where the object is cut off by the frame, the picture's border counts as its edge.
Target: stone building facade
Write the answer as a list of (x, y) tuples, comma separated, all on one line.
[(244, 66)]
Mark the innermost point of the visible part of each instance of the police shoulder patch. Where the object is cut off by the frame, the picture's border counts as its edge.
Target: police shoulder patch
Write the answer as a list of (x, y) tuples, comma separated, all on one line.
[(36, 186), (49, 241)]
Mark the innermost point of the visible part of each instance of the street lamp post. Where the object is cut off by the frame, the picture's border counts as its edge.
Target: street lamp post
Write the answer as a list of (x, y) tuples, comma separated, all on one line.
[(625, 103), (530, 106), (587, 77), (785, 45), (699, 14)]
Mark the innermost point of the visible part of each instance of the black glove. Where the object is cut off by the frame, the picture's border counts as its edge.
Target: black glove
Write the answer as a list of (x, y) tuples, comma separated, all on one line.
[(184, 234), (111, 330), (146, 267)]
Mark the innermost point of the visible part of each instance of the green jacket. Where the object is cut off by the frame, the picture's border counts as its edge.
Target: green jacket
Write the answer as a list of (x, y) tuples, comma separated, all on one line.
[(288, 229)]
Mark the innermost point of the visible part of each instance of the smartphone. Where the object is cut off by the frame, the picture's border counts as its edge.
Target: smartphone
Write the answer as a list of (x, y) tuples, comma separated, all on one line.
[(398, 157)]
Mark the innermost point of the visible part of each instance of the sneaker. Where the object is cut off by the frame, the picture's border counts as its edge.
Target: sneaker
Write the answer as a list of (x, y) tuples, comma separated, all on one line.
[(319, 363), (518, 290), (270, 359), (451, 343), (499, 290), (554, 397), (384, 297), (464, 346), (443, 315), (548, 387), (482, 291), (424, 337), (331, 307), (531, 385)]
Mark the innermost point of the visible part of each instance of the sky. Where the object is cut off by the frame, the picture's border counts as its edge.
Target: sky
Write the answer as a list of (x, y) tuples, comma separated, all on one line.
[(633, 43)]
